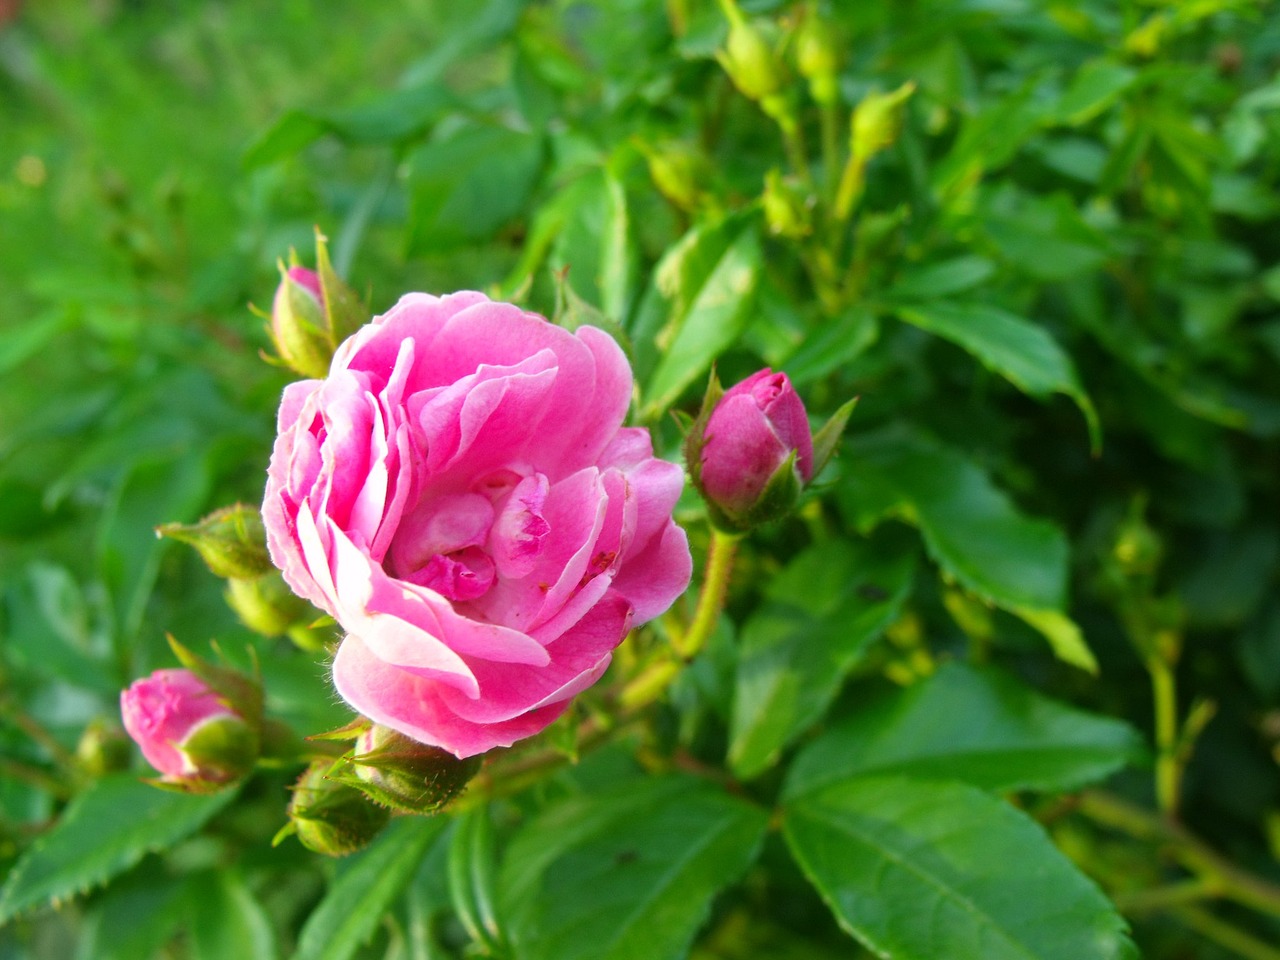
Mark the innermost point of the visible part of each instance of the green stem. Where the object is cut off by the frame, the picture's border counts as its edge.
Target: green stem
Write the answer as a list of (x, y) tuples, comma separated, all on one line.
[(715, 586), (1232, 882), (830, 150), (1165, 694), (1226, 935), (1171, 895)]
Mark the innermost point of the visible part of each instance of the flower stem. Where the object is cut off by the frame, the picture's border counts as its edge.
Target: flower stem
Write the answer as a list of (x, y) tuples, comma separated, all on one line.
[(1165, 694), (1231, 881), (715, 586)]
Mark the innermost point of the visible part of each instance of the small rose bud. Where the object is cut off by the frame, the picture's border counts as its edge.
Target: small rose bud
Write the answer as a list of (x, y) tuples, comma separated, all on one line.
[(188, 731), (102, 748), (756, 438), (411, 777), (231, 541), (313, 312), (331, 817), (267, 606), (818, 54), (679, 171), (788, 208), (298, 323), (748, 58)]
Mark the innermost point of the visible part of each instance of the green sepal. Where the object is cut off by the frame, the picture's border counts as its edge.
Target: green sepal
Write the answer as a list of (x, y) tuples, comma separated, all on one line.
[(232, 541), (411, 777), (348, 731), (225, 746), (344, 313), (779, 495), (194, 786), (236, 691), (695, 437), (827, 439)]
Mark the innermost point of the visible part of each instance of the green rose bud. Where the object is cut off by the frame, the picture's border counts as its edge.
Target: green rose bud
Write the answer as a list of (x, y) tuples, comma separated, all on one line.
[(231, 541), (329, 816)]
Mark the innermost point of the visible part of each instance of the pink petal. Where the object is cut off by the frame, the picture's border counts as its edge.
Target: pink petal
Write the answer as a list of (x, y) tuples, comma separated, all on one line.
[(412, 705)]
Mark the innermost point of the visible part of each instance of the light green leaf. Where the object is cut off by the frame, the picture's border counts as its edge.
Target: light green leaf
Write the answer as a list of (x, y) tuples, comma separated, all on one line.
[(922, 870), (970, 527), (833, 345), (1010, 346), (227, 921), (628, 874), (1095, 86), (716, 315), (593, 242), (104, 831), (821, 614), (979, 726), (357, 900)]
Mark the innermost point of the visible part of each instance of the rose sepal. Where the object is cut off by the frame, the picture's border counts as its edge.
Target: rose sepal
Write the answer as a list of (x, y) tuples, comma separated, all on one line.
[(827, 439), (330, 817), (407, 776)]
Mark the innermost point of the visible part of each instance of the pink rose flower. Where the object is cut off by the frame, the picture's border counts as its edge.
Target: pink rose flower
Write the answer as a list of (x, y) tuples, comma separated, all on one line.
[(185, 730), (755, 427), (460, 495)]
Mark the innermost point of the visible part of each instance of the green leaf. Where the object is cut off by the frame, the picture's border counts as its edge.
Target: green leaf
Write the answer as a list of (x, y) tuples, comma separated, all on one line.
[(1095, 87), (471, 879), (1010, 738), (593, 242), (833, 345), (717, 312), (453, 201), (227, 921), (821, 614), (918, 870), (1016, 349), (133, 918), (627, 874), (104, 831), (357, 900), (942, 279), (970, 528)]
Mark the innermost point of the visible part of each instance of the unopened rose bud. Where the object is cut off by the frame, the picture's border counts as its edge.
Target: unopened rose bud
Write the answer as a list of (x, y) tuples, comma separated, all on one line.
[(231, 541), (102, 748), (331, 817), (679, 172), (757, 452), (749, 59), (877, 121), (313, 311), (188, 731), (818, 54), (408, 776), (266, 605), (787, 207), (298, 323)]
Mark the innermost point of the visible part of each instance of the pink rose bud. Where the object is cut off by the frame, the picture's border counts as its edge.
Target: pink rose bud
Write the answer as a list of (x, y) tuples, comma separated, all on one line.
[(186, 730), (755, 452), (298, 323)]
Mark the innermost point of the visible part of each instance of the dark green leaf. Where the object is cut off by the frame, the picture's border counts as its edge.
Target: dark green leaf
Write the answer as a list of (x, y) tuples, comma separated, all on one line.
[(354, 906), (104, 831), (833, 345), (1019, 351), (920, 870), (979, 726), (821, 613), (453, 200), (628, 874), (970, 527)]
